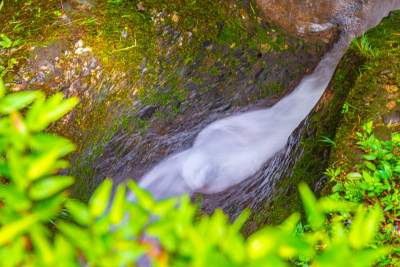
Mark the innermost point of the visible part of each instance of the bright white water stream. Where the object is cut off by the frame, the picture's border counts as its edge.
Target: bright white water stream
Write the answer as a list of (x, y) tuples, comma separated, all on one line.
[(230, 150)]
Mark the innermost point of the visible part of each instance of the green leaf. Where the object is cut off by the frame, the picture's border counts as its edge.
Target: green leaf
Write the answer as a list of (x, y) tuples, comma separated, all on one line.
[(46, 141), (99, 201), (367, 177), (64, 250), (353, 176), (144, 198), (290, 224), (49, 208), (337, 188), (368, 257), (118, 208), (42, 164), (13, 197), (42, 245), (370, 156), (315, 216), (364, 227), (370, 165), (57, 107), (78, 211), (10, 231), (6, 43), (47, 187), (78, 236), (2, 88), (329, 205), (16, 101)]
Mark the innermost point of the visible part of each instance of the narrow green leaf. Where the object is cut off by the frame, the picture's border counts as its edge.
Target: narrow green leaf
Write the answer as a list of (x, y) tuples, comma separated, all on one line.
[(42, 164), (47, 209), (58, 107), (78, 211), (241, 220), (118, 208), (78, 236), (364, 227), (47, 187), (17, 101), (64, 250), (2, 87), (144, 198), (42, 244), (13, 197), (10, 231), (99, 201), (290, 224), (370, 156), (315, 216)]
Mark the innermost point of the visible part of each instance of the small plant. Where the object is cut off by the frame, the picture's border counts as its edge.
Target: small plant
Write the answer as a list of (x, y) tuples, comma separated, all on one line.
[(364, 46), (345, 108), (6, 42), (327, 140)]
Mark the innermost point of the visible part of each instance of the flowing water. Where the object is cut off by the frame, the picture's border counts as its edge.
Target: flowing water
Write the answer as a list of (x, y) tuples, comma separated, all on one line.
[(230, 150)]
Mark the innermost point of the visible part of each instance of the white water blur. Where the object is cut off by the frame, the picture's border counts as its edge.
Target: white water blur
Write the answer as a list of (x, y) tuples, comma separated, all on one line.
[(230, 150)]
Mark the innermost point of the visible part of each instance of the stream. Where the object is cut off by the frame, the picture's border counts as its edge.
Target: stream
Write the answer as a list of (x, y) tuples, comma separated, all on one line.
[(230, 150)]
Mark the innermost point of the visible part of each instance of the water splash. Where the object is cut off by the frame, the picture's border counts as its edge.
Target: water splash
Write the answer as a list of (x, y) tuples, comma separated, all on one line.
[(230, 150)]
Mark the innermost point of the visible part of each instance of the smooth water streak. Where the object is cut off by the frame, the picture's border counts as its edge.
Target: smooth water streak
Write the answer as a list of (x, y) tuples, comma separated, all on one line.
[(232, 149)]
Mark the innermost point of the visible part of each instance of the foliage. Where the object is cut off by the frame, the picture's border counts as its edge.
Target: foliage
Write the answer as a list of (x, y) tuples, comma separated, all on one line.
[(375, 181), (364, 46), (164, 232)]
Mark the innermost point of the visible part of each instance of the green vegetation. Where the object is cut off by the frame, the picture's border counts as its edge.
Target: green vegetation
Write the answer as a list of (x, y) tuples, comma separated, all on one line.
[(364, 46), (34, 198), (40, 226)]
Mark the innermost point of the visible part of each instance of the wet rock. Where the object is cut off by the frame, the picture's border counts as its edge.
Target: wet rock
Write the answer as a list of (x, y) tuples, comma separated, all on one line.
[(75, 88), (147, 112), (206, 44), (85, 4), (238, 53), (382, 133), (315, 19), (391, 118), (45, 66), (391, 105), (320, 184), (65, 5), (175, 18), (144, 63), (140, 7), (124, 34)]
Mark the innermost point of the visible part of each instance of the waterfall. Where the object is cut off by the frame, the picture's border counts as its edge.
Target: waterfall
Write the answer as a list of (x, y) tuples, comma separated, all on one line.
[(232, 149)]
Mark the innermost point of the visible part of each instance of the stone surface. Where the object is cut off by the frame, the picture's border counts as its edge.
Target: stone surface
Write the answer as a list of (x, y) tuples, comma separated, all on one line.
[(391, 118), (316, 19)]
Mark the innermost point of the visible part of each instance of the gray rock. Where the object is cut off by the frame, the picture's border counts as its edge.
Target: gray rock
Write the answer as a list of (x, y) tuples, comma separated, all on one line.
[(238, 53), (206, 44), (147, 112), (390, 117)]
